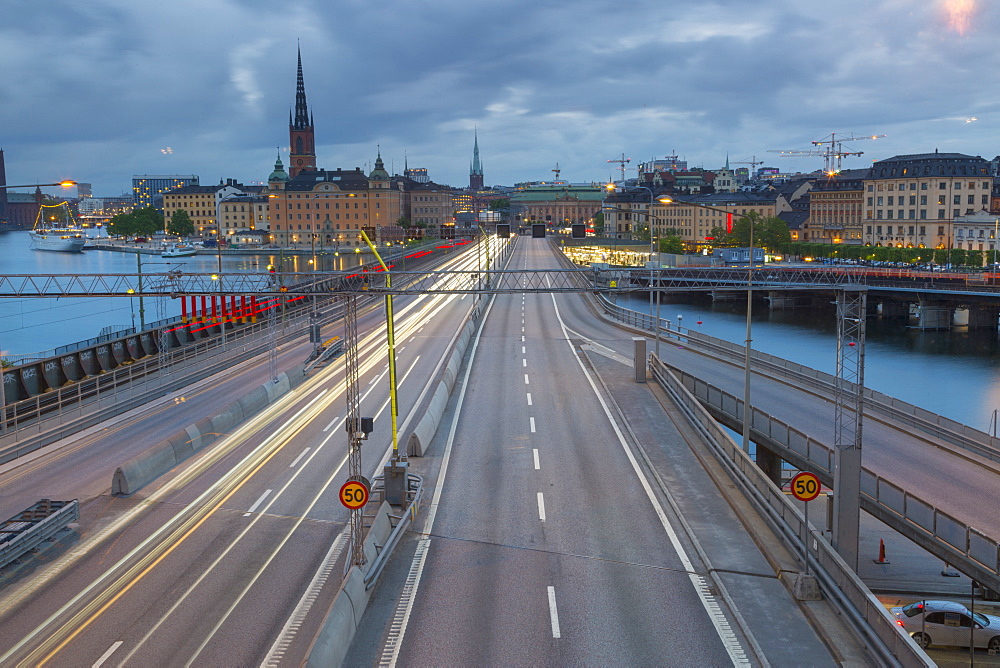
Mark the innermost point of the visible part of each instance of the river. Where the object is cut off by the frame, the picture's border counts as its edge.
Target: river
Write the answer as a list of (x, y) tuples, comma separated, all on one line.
[(954, 373), (35, 325)]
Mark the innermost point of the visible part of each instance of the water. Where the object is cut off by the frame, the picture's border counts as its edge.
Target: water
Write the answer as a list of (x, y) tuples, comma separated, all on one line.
[(955, 374), (35, 325)]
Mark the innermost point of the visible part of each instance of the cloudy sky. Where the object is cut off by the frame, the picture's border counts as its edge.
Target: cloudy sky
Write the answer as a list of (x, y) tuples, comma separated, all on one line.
[(103, 89)]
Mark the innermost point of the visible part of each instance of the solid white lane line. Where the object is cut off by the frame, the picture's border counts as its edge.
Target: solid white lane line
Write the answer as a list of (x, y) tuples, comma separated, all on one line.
[(534, 453), (524, 362), (529, 398), (301, 455), (107, 655), (554, 613), (531, 421), (541, 507), (257, 503), (332, 422), (526, 379)]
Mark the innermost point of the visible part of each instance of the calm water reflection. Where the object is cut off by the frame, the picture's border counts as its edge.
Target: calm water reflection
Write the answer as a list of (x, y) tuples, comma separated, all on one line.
[(35, 325), (956, 374)]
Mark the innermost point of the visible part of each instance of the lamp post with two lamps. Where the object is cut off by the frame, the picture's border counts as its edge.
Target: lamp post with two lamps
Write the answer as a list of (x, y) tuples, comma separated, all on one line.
[(747, 411)]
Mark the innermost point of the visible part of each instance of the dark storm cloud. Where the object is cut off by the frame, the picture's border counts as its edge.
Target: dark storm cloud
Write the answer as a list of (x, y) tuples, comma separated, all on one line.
[(95, 90)]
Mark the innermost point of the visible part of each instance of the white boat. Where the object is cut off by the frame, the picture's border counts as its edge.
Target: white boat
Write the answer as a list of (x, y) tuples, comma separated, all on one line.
[(55, 230), (179, 250)]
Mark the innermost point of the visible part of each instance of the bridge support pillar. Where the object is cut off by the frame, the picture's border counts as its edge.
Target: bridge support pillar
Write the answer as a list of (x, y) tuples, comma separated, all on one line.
[(769, 462), (894, 309), (639, 358), (781, 300), (847, 503), (983, 317), (934, 315)]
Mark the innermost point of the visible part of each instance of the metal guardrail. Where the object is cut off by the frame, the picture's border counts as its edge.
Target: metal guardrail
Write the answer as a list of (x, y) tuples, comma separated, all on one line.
[(32, 526), (955, 541), (838, 582), (414, 494)]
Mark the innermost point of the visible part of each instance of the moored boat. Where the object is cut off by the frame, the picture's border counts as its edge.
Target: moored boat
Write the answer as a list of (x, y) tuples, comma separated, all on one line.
[(55, 230), (179, 250)]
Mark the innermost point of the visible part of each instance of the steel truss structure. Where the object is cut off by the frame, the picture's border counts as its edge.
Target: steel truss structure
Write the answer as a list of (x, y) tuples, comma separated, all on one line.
[(176, 283)]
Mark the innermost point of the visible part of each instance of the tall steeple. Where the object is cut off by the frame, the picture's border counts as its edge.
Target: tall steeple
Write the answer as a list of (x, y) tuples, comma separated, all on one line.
[(476, 171), (301, 137)]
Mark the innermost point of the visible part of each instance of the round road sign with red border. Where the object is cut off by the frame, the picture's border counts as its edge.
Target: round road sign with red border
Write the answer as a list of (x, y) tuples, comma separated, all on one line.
[(354, 494), (806, 486)]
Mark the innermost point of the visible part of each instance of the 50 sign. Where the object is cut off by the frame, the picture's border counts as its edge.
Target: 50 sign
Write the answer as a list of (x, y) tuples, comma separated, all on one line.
[(805, 486), (354, 493)]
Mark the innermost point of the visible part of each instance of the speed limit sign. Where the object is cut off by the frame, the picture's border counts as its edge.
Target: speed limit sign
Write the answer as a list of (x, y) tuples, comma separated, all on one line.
[(805, 486), (354, 493)]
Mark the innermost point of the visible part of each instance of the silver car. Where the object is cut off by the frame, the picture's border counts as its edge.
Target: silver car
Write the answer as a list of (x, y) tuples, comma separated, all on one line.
[(948, 623)]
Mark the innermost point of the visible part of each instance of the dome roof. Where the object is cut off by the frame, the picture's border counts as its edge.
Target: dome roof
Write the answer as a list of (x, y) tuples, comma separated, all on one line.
[(279, 173)]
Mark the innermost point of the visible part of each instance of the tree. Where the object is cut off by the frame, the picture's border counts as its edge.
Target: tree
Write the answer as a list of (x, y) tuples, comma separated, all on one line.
[(403, 222), (671, 243), (181, 224), (122, 225), (599, 223), (148, 221)]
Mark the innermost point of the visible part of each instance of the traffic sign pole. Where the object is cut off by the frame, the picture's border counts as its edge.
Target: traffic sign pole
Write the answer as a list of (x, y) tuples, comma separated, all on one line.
[(805, 487)]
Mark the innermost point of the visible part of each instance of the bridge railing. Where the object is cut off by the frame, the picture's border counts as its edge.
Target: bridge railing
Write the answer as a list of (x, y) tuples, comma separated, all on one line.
[(961, 435), (952, 539), (838, 581)]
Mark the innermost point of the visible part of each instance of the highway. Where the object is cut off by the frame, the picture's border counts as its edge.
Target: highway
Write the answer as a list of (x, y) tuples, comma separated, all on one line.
[(552, 539), (206, 565)]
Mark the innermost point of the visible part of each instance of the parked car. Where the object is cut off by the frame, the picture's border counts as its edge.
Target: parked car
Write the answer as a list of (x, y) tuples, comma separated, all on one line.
[(948, 623)]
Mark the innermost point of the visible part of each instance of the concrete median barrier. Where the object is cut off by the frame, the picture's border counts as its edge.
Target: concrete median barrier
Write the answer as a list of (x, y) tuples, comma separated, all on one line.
[(330, 646), (139, 471)]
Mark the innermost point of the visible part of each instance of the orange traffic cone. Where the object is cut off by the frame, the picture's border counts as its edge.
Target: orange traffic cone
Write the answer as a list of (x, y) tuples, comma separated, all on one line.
[(881, 553)]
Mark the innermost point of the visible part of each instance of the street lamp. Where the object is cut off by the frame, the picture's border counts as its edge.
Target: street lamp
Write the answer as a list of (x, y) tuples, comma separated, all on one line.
[(747, 412), (649, 224), (64, 184)]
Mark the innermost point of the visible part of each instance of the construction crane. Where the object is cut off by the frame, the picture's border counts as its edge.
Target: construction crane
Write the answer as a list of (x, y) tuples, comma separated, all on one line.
[(833, 152), (622, 161), (557, 170)]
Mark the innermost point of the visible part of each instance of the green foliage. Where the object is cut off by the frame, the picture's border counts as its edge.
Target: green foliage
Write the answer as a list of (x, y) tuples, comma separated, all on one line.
[(599, 223), (403, 222), (769, 232), (181, 224), (671, 243), (145, 222)]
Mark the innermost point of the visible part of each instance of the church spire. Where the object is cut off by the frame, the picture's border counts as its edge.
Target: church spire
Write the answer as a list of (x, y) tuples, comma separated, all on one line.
[(302, 119), (476, 170), (301, 138)]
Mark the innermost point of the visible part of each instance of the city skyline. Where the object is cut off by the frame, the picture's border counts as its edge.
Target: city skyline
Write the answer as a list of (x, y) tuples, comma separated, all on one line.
[(149, 90)]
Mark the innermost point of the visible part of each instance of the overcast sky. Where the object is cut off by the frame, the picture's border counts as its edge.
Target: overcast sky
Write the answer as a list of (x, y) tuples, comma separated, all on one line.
[(103, 89)]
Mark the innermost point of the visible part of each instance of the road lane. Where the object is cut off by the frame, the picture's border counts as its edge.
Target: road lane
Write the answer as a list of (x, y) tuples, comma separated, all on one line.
[(493, 557), (196, 595)]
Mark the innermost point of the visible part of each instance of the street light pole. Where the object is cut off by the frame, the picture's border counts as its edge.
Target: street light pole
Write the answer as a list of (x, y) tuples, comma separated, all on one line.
[(747, 410)]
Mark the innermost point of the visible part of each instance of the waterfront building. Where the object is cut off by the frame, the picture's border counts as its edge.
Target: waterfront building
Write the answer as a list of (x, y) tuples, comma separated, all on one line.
[(148, 189), (977, 232), (914, 200), (241, 213), (22, 209), (430, 204), (557, 205), (836, 209), (202, 204), (694, 224)]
